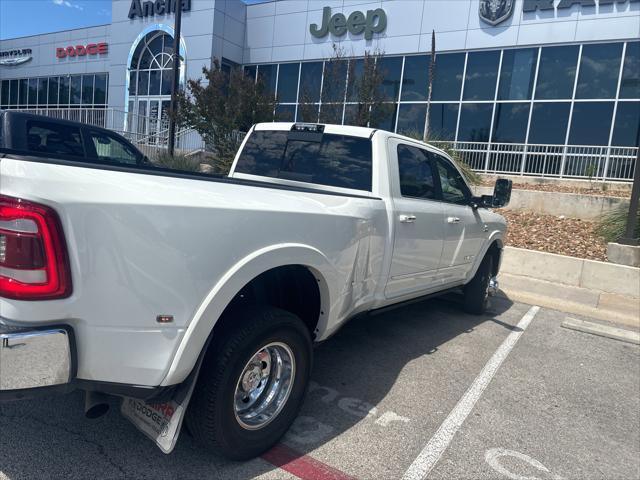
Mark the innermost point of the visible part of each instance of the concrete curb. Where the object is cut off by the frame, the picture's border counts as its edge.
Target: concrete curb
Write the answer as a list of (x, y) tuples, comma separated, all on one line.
[(583, 287)]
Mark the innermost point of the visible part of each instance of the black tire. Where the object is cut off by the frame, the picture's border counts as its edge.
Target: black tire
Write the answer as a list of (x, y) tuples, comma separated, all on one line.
[(211, 417), (476, 292)]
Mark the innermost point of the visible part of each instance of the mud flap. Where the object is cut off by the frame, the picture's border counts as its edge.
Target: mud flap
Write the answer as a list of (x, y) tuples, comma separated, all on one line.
[(162, 422)]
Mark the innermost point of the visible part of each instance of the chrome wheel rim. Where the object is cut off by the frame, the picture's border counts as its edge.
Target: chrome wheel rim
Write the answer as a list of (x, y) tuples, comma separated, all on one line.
[(264, 386)]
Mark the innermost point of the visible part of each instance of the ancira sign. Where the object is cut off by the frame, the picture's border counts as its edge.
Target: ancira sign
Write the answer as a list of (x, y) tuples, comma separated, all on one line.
[(148, 8), (11, 58), (374, 21)]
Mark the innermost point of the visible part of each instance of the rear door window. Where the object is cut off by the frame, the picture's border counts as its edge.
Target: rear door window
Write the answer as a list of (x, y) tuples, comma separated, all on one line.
[(335, 160), (54, 139)]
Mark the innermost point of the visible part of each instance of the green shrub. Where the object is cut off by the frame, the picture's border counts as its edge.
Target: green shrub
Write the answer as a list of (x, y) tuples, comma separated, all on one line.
[(178, 162), (611, 226)]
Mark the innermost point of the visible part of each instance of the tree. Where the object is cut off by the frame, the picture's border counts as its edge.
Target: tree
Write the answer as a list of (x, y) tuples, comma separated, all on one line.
[(221, 104), (358, 81), (432, 76), (365, 82)]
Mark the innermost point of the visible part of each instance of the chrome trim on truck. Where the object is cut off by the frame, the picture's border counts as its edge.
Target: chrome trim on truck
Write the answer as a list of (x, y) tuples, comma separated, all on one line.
[(33, 358)]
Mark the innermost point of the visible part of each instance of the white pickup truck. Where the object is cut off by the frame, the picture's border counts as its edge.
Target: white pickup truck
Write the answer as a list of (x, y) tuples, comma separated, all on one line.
[(197, 296)]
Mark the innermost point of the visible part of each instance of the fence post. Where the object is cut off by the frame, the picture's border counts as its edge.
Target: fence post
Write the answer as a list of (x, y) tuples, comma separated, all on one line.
[(525, 150), (563, 161), (486, 160), (606, 164)]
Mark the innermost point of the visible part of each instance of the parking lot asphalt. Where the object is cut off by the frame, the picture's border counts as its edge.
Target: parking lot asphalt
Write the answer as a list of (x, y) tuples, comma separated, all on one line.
[(470, 397)]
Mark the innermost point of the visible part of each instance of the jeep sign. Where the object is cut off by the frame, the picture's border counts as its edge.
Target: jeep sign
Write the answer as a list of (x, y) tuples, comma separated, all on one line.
[(375, 21)]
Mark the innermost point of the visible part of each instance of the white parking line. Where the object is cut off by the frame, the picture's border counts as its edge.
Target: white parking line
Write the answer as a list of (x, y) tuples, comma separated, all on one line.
[(421, 466)]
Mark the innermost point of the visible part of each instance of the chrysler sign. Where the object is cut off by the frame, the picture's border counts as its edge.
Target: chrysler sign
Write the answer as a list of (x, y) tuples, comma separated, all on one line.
[(15, 57)]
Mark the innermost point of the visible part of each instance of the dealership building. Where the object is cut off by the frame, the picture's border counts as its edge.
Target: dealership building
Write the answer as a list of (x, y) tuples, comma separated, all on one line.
[(547, 87)]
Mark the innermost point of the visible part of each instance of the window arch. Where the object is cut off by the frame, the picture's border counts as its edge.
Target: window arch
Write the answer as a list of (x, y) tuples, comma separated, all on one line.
[(150, 81)]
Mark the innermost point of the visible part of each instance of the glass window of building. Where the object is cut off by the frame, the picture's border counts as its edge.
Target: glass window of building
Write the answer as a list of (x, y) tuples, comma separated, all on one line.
[(335, 81), (415, 79), (443, 118), (154, 82), (510, 122), (152, 62), (43, 87), (391, 69), (447, 80), (557, 71), (599, 70), (4, 93), (383, 116), (356, 70), (331, 113), (267, 76), (23, 91), (411, 118), (285, 113), (310, 81), (87, 89), (52, 98), (586, 131), (13, 92), (626, 131), (308, 112), (250, 71), (33, 91), (100, 95), (517, 74), (630, 85), (351, 114), (288, 82), (64, 90), (482, 72), (549, 123), (76, 90), (475, 122)]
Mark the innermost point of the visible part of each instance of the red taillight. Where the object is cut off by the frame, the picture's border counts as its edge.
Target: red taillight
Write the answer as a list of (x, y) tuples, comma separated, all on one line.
[(33, 257)]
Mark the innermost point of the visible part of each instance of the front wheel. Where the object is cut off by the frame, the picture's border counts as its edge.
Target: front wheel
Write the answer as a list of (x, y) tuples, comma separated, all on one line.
[(252, 383), (476, 292)]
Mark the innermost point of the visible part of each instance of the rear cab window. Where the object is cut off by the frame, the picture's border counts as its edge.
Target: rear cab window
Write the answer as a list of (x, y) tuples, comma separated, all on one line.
[(329, 159), (54, 139)]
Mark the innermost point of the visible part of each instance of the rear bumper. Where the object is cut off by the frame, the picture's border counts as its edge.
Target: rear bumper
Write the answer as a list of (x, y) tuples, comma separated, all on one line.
[(35, 359)]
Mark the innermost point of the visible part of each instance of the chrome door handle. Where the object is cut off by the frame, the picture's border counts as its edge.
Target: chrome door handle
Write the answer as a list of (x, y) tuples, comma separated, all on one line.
[(407, 218), (453, 220)]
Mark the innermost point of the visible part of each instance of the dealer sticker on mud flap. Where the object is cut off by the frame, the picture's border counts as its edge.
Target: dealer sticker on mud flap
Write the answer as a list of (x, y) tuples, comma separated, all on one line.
[(160, 422)]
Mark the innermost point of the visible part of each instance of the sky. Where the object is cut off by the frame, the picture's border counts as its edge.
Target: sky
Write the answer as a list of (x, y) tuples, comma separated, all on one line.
[(20, 18)]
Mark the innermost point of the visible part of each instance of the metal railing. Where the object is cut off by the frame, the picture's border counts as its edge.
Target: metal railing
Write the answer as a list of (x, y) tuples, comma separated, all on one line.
[(110, 118), (560, 161)]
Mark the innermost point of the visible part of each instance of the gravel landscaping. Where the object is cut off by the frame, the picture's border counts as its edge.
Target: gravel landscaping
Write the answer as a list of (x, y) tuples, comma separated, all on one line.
[(548, 233)]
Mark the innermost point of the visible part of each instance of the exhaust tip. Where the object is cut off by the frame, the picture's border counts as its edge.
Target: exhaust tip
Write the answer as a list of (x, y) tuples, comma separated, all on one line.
[(95, 405), (97, 411)]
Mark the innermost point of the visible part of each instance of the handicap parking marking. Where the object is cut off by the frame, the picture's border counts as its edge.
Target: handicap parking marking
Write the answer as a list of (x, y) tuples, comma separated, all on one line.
[(493, 457), (432, 452)]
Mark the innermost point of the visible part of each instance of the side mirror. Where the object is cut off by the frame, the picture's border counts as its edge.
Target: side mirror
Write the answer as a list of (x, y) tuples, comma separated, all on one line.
[(501, 193)]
